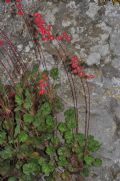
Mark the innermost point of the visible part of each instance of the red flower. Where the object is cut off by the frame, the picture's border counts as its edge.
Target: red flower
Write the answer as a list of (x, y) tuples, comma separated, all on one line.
[(77, 69), (37, 15), (81, 74), (7, 1), (19, 8), (66, 36), (20, 13), (90, 76), (49, 27), (74, 65), (42, 92), (1, 42), (45, 38), (41, 81), (74, 58), (51, 37), (43, 85), (59, 37), (18, 5)]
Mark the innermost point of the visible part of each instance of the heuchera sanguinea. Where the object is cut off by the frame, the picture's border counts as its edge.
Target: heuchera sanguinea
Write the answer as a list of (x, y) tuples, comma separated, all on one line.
[(78, 69), (46, 30), (19, 8), (43, 83)]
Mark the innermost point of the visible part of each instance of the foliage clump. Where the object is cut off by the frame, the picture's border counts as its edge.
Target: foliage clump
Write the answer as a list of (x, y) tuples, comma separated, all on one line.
[(33, 143)]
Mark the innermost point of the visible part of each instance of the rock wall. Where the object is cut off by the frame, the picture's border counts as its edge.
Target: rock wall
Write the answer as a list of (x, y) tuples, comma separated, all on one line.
[(95, 34)]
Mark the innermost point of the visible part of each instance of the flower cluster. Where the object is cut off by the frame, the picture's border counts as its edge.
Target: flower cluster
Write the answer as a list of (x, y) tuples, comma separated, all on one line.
[(43, 83), (77, 69), (46, 30), (19, 7)]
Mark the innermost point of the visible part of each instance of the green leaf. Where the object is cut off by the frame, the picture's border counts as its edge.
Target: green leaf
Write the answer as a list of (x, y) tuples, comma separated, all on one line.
[(41, 161), (19, 88), (35, 69), (11, 179), (28, 118), (71, 124), (23, 136), (47, 168), (45, 109), (30, 168), (85, 172), (77, 148), (63, 151), (58, 105), (69, 114), (19, 164), (2, 136), (54, 73), (50, 150), (27, 102), (97, 162), (62, 127), (37, 122), (89, 160), (18, 108), (62, 161), (17, 117), (5, 167), (18, 100), (6, 153), (93, 145), (46, 137), (49, 121), (70, 118), (68, 136), (24, 149), (17, 130), (80, 138), (49, 178), (55, 140)]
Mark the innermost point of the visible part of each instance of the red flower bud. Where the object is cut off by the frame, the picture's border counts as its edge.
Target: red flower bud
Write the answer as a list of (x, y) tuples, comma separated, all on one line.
[(75, 71), (82, 74), (90, 76), (74, 65), (20, 13), (41, 81), (41, 92)]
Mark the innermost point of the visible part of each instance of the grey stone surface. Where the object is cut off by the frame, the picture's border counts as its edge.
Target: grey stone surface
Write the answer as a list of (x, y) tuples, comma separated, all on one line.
[(95, 32)]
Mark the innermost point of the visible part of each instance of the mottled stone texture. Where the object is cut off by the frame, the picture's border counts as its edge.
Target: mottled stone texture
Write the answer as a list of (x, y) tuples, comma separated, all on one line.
[(95, 34)]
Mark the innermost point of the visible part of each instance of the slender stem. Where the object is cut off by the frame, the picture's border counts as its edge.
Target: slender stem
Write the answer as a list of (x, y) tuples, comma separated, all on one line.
[(11, 60), (86, 112), (16, 54), (67, 77), (7, 72), (73, 90), (88, 108)]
